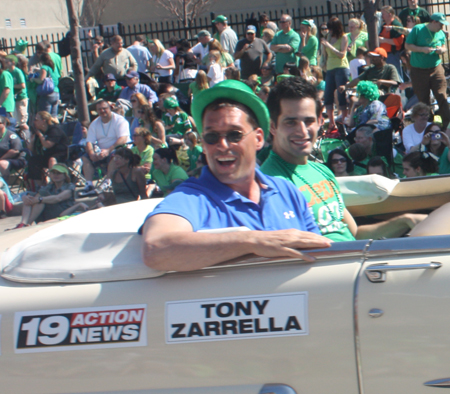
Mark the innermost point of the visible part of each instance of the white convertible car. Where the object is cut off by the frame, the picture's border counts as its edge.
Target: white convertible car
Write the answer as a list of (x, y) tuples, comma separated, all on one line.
[(80, 313)]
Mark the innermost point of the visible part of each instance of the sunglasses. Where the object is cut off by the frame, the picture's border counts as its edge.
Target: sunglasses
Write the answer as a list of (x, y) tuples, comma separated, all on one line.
[(284, 21), (233, 137), (133, 101), (336, 161), (324, 28)]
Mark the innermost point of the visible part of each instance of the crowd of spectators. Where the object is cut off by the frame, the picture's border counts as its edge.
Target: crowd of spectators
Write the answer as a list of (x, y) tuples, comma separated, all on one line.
[(144, 141)]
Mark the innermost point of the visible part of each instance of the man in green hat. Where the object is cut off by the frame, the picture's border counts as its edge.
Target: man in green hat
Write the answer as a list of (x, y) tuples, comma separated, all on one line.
[(226, 35), (427, 43), (230, 192)]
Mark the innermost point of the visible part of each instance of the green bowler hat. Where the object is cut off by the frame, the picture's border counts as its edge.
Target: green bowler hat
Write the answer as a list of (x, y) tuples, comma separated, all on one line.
[(232, 90)]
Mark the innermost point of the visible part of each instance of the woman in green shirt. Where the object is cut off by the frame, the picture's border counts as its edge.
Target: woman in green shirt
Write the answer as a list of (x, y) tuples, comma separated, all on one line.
[(420, 164), (194, 151), (309, 43), (166, 172), (48, 102), (142, 139), (357, 37)]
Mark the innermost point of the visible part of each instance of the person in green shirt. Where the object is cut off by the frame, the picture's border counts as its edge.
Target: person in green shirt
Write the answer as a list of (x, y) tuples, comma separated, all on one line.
[(111, 91), (296, 117), (427, 44), (176, 121), (20, 90), (357, 37), (420, 164), (309, 44), (6, 89), (48, 102), (194, 151), (285, 44), (142, 139), (413, 9), (166, 172)]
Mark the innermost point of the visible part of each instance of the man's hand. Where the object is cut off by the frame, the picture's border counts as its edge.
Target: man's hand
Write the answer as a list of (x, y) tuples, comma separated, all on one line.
[(103, 154), (283, 243), (94, 157), (428, 50), (341, 89)]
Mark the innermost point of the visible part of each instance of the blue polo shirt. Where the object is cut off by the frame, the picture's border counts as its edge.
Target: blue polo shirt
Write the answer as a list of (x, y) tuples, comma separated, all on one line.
[(207, 203), (149, 94)]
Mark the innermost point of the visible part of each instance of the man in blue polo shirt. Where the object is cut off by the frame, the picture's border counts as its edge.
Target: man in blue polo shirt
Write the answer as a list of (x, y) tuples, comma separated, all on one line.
[(133, 86), (229, 193)]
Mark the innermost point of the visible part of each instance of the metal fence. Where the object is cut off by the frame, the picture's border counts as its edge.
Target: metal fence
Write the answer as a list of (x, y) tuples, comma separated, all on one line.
[(164, 31)]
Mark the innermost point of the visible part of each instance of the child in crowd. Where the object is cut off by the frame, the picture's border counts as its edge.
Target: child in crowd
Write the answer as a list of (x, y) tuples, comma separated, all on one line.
[(200, 83), (176, 121), (316, 72), (358, 62), (215, 73), (194, 151)]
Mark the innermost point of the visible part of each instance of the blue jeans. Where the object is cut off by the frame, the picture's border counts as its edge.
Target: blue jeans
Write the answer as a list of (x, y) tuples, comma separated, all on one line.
[(49, 103), (394, 59), (335, 78)]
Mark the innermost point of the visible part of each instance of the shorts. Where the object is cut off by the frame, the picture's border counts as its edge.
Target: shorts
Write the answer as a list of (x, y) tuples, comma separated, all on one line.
[(16, 164)]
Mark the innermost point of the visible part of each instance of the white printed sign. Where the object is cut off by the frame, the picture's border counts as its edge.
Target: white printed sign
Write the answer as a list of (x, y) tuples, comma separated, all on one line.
[(81, 328), (271, 315)]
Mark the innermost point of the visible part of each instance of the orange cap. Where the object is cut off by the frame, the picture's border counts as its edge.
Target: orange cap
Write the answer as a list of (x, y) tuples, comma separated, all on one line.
[(378, 52)]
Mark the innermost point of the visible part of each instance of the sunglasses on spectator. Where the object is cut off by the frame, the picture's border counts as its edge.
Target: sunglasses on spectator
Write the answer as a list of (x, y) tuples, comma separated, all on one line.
[(284, 21), (266, 68), (233, 137), (324, 28), (336, 161), (133, 101)]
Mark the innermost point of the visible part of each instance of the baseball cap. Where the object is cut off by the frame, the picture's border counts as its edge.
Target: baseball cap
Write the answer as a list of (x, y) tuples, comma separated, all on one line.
[(439, 17), (203, 33), (171, 102), (220, 19), (109, 77), (306, 22), (251, 29), (60, 168), (378, 52), (232, 90), (132, 74)]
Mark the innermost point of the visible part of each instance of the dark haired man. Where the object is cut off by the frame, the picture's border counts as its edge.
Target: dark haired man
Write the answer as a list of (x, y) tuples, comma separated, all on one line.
[(140, 53), (230, 192), (296, 116)]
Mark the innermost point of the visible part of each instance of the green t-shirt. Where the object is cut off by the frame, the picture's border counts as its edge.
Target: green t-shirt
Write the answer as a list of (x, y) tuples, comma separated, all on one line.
[(180, 122), (53, 75), (444, 163), (422, 36), (419, 11), (193, 155), (146, 157), (19, 77), (361, 41), (110, 96), (7, 81), (321, 190), (194, 88), (310, 50), (291, 38), (57, 62), (165, 180)]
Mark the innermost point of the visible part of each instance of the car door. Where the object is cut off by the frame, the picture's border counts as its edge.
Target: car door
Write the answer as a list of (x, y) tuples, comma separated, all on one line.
[(252, 326), (403, 316)]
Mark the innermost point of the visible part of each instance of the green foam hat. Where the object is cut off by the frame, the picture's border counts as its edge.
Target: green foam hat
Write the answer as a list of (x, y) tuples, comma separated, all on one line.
[(232, 90)]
